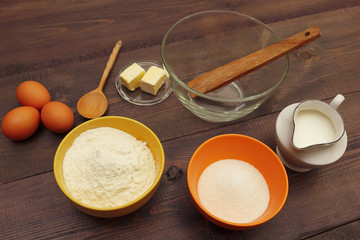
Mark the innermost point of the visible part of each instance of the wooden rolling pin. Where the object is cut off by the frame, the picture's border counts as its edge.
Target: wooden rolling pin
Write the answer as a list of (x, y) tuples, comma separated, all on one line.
[(229, 72)]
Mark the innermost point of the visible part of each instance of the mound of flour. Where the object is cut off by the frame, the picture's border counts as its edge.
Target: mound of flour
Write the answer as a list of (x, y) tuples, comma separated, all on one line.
[(106, 167)]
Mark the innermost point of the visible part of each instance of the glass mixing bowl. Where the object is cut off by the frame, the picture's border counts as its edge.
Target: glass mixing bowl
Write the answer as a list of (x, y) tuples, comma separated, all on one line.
[(206, 40)]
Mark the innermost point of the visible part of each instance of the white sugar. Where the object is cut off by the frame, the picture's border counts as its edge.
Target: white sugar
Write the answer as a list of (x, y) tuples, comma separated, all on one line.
[(234, 191)]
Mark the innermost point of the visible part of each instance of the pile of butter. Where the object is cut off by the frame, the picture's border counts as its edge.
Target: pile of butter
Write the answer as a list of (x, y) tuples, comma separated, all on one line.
[(135, 76)]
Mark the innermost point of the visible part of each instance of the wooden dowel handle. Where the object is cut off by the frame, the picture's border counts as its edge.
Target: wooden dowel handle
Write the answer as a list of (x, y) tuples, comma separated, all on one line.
[(110, 64)]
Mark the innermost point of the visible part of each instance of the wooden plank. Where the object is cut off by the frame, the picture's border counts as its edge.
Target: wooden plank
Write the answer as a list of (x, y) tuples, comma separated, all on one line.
[(347, 231), (45, 34)]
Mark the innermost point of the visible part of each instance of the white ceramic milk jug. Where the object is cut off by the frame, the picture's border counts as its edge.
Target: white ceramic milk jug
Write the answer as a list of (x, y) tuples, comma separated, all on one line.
[(310, 134)]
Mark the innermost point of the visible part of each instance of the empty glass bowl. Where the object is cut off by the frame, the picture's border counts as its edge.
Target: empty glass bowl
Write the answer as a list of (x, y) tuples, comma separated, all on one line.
[(206, 40)]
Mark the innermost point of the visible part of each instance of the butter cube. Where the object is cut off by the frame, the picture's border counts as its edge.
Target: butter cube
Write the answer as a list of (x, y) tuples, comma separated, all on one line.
[(152, 80), (131, 76)]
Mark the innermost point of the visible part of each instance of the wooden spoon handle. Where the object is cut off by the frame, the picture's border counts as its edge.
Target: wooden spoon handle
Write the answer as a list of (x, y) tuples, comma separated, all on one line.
[(229, 72), (110, 64)]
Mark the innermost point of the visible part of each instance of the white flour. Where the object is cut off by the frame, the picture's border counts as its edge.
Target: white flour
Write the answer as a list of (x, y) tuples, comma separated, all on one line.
[(106, 167), (233, 190)]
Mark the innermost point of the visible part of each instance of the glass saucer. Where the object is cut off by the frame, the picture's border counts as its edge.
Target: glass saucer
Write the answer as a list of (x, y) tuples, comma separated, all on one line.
[(139, 97)]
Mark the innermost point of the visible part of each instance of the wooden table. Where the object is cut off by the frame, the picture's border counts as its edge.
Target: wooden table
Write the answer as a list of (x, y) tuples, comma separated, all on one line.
[(65, 46)]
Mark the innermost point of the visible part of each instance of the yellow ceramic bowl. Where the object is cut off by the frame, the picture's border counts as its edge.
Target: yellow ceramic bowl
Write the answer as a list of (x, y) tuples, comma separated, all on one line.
[(136, 129)]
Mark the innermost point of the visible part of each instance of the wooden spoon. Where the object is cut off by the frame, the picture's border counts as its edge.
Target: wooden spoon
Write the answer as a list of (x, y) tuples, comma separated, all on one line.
[(94, 103), (230, 72)]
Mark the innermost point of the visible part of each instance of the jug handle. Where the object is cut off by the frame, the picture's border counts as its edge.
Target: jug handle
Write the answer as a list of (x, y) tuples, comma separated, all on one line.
[(338, 99)]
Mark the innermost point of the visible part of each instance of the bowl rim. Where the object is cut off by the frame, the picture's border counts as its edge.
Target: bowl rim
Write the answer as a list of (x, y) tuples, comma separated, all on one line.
[(229, 223), (243, 99), (133, 202)]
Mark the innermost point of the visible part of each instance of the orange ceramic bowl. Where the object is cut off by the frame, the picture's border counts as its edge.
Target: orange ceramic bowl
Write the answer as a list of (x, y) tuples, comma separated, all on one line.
[(235, 146)]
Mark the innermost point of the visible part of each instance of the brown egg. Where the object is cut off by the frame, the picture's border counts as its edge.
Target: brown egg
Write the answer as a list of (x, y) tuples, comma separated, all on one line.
[(57, 117), (20, 123), (34, 94)]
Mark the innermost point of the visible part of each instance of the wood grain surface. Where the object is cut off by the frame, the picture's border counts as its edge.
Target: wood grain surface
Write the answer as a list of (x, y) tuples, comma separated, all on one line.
[(65, 45)]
